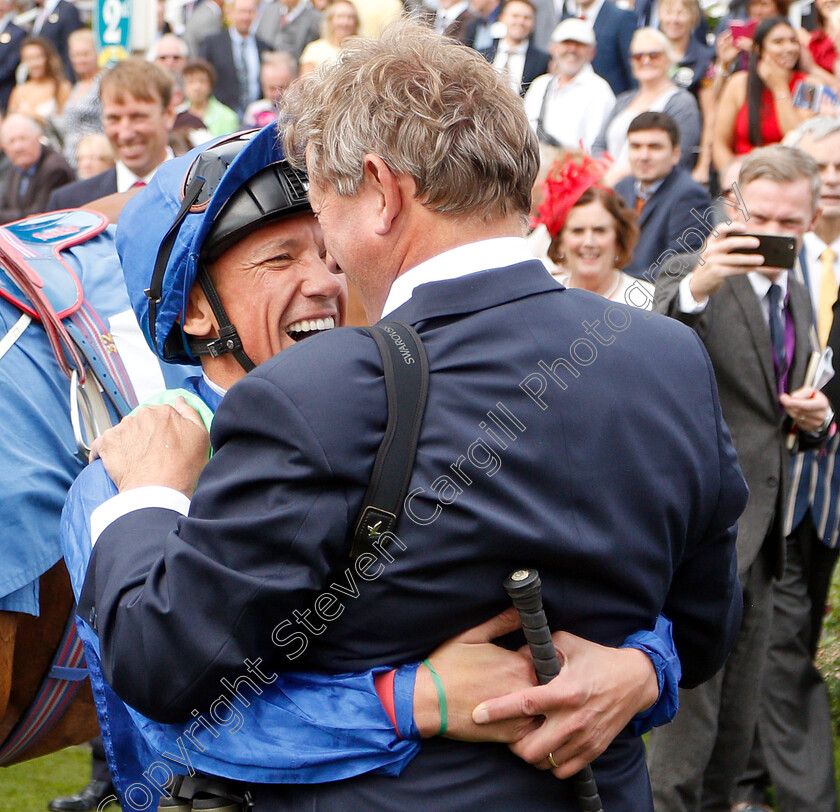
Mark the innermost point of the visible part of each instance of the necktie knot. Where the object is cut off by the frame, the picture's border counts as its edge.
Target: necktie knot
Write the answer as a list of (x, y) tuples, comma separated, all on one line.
[(775, 295)]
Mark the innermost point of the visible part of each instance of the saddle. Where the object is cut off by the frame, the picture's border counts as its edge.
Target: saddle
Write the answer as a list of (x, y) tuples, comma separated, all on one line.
[(36, 277)]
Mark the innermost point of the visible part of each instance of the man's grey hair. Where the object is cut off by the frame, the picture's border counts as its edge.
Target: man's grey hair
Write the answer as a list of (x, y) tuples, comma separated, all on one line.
[(280, 58), (782, 165), (174, 38), (819, 127), (32, 124), (429, 108)]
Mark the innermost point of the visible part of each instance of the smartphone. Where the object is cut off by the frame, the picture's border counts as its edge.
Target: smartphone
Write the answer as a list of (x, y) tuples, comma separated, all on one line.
[(778, 250), (743, 28)]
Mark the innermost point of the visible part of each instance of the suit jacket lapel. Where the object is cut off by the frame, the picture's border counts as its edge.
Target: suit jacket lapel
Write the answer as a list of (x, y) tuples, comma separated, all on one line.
[(758, 329)]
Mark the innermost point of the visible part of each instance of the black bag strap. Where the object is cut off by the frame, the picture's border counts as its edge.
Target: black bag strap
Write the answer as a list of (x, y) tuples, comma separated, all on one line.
[(406, 370)]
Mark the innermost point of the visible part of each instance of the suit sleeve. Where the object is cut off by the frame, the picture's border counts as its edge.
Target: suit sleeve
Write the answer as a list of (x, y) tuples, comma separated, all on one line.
[(266, 524), (666, 298)]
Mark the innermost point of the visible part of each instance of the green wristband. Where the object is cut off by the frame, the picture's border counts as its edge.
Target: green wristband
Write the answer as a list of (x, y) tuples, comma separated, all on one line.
[(441, 696)]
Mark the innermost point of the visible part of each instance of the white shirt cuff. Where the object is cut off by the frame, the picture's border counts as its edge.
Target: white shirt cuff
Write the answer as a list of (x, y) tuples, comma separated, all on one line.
[(688, 304), (135, 499)]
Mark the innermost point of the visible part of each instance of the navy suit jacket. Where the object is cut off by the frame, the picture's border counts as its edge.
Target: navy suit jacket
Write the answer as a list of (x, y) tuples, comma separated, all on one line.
[(615, 477), (217, 49), (614, 29), (58, 26), (9, 61), (536, 64), (666, 221), (83, 192)]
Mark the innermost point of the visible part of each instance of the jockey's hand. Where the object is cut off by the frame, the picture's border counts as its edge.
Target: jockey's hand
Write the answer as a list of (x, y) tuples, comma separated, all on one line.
[(598, 691), (473, 669), (159, 445)]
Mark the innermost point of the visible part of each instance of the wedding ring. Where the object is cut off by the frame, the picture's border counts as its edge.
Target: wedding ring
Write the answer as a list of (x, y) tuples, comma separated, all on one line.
[(551, 761)]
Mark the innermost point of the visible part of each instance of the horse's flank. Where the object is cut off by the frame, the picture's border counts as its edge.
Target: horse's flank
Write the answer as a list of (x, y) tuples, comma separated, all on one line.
[(27, 647)]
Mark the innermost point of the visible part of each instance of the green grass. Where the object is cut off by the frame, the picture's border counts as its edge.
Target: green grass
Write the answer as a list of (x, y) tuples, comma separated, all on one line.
[(828, 659), (30, 786)]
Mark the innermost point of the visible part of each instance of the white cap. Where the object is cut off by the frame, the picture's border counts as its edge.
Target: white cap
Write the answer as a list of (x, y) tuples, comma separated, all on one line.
[(575, 30)]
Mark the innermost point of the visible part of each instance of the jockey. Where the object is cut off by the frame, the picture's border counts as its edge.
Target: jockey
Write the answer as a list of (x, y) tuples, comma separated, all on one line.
[(234, 218)]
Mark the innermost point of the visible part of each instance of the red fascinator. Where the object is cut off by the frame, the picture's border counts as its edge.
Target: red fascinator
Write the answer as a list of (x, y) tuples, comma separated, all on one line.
[(567, 179)]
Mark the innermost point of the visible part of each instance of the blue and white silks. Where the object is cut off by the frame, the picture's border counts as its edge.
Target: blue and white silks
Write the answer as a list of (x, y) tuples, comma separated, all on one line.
[(302, 728)]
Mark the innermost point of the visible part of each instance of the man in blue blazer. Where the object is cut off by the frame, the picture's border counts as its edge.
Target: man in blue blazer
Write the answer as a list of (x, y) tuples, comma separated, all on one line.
[(614, 29), (514, 53), (662, 193), (526, 456)]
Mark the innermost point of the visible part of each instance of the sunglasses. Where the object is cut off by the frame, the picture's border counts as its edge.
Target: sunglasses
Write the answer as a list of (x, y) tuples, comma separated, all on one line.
[(650, 55)]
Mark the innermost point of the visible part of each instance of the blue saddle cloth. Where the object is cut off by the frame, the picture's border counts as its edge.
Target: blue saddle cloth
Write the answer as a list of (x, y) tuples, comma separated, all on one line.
[(39, 451)]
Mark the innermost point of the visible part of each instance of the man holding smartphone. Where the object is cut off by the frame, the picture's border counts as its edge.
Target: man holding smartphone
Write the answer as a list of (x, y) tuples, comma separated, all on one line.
[(794, 749), (754, 320)]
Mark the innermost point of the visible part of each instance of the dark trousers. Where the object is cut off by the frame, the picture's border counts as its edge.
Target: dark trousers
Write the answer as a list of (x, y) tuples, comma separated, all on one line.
[(793, 748), (695, 761)]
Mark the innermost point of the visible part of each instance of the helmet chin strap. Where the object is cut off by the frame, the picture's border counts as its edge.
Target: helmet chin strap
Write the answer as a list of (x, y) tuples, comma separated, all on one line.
[(228, 340)]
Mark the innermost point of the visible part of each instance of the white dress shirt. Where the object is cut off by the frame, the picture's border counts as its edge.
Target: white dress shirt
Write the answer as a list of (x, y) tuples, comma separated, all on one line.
[(126, 178), (473, 257), (760, 284), (510, 60), (573, 113), (446, 16)]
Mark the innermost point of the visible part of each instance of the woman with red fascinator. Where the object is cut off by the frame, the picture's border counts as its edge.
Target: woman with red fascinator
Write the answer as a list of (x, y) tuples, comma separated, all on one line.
[(593, 233)]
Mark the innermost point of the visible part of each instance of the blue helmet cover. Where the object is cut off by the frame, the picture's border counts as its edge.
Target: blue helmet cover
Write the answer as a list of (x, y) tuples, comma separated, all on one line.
[(148, 217)]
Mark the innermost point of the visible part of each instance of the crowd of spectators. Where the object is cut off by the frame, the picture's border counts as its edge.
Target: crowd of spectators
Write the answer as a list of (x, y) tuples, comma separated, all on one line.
[(644, 114)]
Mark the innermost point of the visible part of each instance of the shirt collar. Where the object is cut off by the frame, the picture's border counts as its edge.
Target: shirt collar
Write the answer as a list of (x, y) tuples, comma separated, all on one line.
[(513, 50), (126, 178), (761, 284), (652, 189), (474, 257), (453, 12), (589, 14)]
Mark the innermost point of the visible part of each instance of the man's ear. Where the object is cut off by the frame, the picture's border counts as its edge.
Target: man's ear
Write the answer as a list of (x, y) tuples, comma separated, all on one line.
[(387, 191), (199, 320)]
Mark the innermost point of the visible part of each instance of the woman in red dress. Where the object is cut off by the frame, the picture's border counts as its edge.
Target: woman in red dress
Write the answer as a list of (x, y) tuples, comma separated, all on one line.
[(756, 106)]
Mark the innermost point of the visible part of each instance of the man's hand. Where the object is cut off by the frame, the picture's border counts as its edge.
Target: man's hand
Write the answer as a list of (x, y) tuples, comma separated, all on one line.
[(807, 407), (160, 445), (473, 669), (718, 262), (598, 691)]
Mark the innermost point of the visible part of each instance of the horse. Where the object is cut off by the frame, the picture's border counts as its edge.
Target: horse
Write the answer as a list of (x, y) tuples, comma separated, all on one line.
[(28, 644)]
